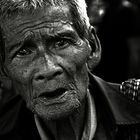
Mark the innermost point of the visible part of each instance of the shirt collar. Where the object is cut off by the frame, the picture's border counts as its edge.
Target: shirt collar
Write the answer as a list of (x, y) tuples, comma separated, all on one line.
[(91, 122), (42, 133)]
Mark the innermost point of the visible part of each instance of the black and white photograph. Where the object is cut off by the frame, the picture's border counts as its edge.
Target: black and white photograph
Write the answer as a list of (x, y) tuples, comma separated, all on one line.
[(69, 70)]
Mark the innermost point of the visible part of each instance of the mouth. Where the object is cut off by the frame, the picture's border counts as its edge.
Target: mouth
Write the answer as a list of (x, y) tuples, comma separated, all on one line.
[(58, 96), (54, 94)]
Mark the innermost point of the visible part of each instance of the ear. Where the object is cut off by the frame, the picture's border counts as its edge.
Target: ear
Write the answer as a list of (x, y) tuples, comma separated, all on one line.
[(95, 54)]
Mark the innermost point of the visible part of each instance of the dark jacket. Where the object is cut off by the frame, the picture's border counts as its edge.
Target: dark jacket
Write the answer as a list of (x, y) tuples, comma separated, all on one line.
[(118, 117)]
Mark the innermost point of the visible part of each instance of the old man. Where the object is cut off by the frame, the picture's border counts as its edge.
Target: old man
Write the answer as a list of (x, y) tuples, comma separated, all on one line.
[(47, 50)]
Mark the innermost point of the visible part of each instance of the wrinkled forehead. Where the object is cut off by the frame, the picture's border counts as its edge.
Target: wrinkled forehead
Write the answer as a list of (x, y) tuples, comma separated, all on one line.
[(49, 16), (49, 13)]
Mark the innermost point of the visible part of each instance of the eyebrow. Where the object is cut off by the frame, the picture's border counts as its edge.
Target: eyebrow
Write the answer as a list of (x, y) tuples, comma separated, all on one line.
[(68, 33)]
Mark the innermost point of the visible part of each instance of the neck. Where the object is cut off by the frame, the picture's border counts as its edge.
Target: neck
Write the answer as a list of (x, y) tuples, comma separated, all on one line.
[(70, 127)]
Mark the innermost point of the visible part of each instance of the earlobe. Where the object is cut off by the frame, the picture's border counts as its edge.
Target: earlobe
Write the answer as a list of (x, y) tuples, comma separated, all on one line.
[(7, 83), (4, 79), (95, 54)]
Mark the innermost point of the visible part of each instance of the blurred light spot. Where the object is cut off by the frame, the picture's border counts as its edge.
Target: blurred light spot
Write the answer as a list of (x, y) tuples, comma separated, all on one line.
[(101, 12), (126, 3)]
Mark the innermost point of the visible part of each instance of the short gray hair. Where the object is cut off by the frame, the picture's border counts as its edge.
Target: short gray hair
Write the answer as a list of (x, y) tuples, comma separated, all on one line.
[(9, 6)]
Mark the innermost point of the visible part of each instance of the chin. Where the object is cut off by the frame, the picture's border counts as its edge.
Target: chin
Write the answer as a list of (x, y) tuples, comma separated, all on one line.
[(57, 111)]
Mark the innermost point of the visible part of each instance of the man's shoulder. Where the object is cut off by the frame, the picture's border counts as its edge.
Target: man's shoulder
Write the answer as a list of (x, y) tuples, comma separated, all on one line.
[(119, 114), (124, 110)]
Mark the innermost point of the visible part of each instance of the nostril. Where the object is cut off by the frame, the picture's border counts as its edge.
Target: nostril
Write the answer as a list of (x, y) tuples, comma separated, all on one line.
[(40, 77)]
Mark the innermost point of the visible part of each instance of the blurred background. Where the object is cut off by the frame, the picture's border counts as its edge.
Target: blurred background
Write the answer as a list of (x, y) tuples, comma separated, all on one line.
[(117, 23)]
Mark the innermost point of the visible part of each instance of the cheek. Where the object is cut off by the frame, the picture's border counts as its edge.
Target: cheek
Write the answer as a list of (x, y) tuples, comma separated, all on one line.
[(20, 71), (26, 92), (81, 73), (80, 57), (21, 77), (75, 58), (77, 68)]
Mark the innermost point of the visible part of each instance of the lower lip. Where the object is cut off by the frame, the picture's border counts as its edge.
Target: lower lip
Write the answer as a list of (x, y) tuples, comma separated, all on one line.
[(56, 100)]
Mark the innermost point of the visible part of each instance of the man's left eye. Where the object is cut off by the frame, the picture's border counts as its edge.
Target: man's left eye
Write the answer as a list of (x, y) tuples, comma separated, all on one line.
[(62, 43)]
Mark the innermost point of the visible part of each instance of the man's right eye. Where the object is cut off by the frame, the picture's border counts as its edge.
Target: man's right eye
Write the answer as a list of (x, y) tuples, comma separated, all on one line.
[(26, 49), (23, 52)]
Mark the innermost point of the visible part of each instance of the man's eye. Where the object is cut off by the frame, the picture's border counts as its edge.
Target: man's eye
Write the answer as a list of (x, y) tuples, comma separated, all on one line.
[(62, 43), (23, 52)]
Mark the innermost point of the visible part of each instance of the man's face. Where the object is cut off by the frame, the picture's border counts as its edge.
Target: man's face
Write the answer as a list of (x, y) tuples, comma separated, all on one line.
[(46, 60)]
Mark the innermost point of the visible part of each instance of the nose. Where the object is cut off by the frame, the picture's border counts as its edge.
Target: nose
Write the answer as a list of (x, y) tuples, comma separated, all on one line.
[(49, 69)]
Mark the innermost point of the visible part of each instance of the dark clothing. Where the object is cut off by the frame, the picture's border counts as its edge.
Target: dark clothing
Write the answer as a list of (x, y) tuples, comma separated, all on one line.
[(118, 118)]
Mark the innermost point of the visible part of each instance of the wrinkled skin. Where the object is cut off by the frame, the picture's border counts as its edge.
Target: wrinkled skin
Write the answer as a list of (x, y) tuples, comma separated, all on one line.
[(46, 60)]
